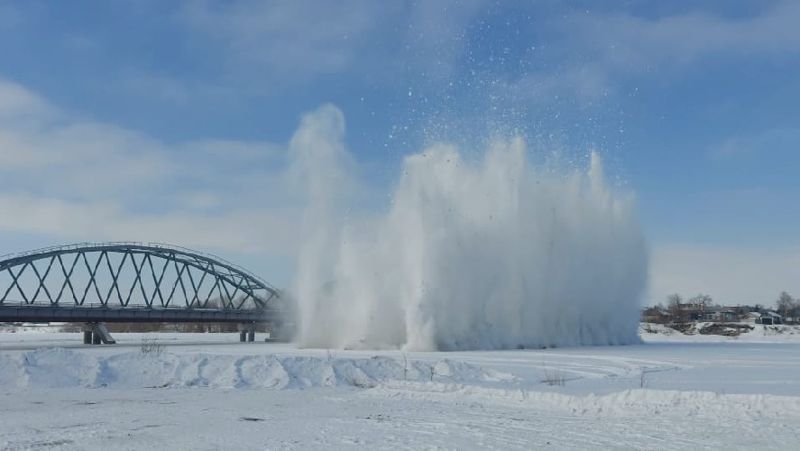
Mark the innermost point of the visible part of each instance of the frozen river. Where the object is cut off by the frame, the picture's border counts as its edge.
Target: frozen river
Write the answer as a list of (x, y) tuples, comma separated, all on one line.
[(207, 391)]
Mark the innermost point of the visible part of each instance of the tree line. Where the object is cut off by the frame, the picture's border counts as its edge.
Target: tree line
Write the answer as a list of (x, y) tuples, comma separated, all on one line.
[(785, 305), (702, 307)]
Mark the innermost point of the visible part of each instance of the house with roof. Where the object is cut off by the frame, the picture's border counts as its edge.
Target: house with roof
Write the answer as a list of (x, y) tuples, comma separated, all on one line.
[(751, 317), (770, 318)]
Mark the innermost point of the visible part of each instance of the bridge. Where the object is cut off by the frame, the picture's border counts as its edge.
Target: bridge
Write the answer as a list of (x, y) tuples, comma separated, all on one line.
[(131, 282)]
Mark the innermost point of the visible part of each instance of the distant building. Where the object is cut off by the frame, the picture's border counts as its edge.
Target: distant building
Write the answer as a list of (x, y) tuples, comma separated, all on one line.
[(692, 312), (657, 315), (751, 317), (722, 315), (770, 318)]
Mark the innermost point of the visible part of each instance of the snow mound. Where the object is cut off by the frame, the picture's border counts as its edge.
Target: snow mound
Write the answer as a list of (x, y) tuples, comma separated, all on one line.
[(653, 328), (62, 368), (57, 367)]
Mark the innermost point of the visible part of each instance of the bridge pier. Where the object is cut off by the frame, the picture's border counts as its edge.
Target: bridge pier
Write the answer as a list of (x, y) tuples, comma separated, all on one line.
[(247, 333), (97, 333)]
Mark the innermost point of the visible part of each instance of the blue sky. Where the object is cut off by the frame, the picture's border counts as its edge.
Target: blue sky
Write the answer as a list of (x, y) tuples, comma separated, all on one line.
[(169, 121)]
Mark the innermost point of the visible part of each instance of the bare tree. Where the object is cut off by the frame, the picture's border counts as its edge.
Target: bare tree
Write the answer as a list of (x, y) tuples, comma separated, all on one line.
[(785, 303), (702, 299), (674, 302)]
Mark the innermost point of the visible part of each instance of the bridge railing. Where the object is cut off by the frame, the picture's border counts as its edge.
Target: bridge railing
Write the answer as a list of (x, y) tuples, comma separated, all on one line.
[(99, 306)]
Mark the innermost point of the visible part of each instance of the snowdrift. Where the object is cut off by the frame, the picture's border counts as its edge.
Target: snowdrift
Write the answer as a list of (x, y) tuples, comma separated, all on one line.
[(383, 376), (62, 368)]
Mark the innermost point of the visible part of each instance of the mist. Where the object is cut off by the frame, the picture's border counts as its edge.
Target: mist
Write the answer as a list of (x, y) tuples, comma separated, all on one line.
[(470, 253)]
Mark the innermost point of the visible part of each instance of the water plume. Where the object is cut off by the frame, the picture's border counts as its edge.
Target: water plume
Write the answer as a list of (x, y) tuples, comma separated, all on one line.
[(486, 254)]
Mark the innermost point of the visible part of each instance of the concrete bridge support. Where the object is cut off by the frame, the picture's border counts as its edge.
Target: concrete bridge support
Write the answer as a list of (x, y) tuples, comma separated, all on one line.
[(247, 333), (97, 333)]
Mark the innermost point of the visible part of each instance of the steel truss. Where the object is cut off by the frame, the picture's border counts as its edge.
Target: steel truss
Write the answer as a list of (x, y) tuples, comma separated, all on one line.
[(131, 276)]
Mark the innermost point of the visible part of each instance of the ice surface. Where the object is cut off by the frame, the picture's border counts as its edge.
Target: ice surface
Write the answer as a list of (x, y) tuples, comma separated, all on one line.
[(677, 392)]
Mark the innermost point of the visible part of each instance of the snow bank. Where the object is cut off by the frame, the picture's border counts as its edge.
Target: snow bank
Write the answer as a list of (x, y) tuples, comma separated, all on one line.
[(713, 331), (29, 327), (385, 377), (63, 368)]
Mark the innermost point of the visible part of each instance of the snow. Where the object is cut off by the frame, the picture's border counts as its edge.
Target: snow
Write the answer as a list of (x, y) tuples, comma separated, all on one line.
[(495, 252), (207, 391), (65, 368), (757, 333)]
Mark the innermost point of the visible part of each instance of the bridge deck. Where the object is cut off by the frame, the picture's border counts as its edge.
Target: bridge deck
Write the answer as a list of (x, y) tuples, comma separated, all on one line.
[(46, 313)]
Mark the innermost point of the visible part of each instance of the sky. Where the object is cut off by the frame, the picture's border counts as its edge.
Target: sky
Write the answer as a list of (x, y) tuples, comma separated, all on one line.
[(170, 121)]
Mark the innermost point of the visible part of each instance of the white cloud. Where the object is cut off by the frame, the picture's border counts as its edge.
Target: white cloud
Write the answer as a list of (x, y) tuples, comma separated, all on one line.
[(247, 151), (16, 102), (68, 178), (244, 231), (39, 144), (51, 150), (731, 275)]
